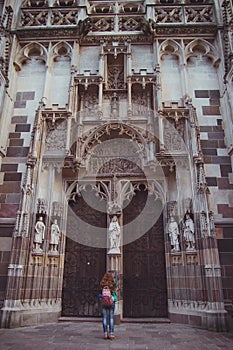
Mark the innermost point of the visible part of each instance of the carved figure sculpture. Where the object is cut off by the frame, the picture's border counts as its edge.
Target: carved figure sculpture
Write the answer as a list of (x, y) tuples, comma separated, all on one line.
[(189, 232), (114, 232), (55, 236), (39, 233), (173, 231)]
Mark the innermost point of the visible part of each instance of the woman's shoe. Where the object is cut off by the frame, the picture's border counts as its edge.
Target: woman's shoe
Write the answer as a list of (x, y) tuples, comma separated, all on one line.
[(105, 336), (111, 336)]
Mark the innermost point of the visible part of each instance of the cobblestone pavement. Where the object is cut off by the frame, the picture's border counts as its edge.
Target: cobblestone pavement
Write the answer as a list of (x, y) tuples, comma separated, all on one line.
[(89, 336)]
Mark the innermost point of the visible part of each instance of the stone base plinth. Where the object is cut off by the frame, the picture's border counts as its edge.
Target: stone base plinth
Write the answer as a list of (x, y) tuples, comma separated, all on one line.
[(208, 319), (21, 317)]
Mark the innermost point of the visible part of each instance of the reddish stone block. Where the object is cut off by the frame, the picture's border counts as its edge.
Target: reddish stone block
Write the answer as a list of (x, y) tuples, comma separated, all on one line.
[(12, 176), (10, 187), (9, 167), (223, 184), (28, 95), (214, 102), (6, 230), (211, 181), (2, 198), (209, 144), (17, 151), (20, 104), (221, 160), (201, 93), (16, 142), (14, 135), (19, 119), (209, 151), (221, 144), (216, 135), (214, 94), (225, 170), (211, 110), (207, 159), (22, 127), (206, 128), (8, 210)]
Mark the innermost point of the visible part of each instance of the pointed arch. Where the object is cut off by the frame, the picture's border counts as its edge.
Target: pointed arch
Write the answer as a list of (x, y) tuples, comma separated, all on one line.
[(170, 46), (97, 135), (205, 47), (26, 53), (61, 49)]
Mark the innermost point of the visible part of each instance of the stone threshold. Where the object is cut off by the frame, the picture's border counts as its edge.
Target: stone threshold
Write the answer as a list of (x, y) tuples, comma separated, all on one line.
[(124, 320)]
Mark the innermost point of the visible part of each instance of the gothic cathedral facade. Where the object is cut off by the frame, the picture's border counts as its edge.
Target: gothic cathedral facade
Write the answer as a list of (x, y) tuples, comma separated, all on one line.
[(116, 154)]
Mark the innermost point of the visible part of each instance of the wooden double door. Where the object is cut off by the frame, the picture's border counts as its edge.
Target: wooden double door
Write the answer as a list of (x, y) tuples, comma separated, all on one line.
[(144, 276), (144, 271)]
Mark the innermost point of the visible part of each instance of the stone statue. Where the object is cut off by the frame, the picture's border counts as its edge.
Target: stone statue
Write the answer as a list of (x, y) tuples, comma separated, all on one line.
[(39, 234), (114, 232), (173, 231), (55, 236), (189, 232)]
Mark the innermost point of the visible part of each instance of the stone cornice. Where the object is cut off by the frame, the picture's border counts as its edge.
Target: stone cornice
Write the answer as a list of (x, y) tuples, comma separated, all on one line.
[(71, 33)]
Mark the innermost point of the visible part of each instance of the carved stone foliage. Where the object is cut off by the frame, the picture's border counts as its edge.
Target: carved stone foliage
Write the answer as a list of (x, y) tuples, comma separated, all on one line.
[(199, 14), (116, 77), (140, 104), (139, 136), (120, 166), (89, 103), (186, 14), (64, 17), (33, 18), (35, 3), (129, 24), (56, 137), (105, 24), (174, 134), (115, 156)]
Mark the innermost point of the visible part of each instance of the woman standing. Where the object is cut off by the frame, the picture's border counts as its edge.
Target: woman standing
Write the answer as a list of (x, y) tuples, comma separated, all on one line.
[(109, 281)]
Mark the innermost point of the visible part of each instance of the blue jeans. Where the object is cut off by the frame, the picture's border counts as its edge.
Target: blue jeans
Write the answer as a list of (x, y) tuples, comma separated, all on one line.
[(108, 319)]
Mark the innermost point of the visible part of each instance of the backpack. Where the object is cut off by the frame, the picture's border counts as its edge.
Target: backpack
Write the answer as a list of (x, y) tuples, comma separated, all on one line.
[(107, 299)]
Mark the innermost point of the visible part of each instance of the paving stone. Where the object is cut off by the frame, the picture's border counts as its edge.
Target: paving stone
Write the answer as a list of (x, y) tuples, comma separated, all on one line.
[(129, 336)]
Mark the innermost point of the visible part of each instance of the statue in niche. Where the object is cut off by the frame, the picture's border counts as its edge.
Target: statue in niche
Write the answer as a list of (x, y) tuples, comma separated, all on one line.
[(55, 236), (189, 232), (39, 234), (114, 232), (173, 231)]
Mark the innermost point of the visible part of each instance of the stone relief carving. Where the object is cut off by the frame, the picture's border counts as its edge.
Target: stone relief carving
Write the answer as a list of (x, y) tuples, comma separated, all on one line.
[(140, 104), (116, 77), (56, 137), (42, 206), (117, 155), (123, 166), (174, 134), (90, 104)]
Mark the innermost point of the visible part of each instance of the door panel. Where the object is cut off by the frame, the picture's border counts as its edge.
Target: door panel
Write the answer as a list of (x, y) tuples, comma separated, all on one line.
[(84, 267), (144, 281)]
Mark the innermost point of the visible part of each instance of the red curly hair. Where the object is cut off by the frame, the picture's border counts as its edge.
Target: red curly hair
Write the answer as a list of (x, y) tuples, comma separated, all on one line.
[(108, 280)]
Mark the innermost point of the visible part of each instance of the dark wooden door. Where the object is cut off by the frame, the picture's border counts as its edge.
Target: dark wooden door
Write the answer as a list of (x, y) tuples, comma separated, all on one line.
[(144, 276), (84, 266)]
